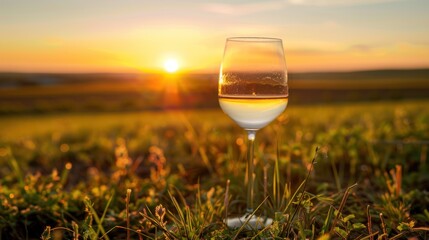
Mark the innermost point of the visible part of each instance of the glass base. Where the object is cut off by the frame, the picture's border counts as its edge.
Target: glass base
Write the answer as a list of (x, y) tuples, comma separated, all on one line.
[(254, 223)]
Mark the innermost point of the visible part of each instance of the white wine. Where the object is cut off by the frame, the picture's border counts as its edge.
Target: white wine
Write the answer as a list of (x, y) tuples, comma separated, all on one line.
[(253, 113), (253, 91)]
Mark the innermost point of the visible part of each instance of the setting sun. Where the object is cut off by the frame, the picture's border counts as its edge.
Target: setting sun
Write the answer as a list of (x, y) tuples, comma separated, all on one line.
[(171, 65)]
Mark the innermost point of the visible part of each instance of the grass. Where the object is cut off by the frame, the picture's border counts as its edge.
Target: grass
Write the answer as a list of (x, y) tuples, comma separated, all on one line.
[(177, 174)]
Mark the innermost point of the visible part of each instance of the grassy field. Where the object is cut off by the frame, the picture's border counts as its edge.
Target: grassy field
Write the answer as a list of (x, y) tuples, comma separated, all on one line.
[(177, 174)]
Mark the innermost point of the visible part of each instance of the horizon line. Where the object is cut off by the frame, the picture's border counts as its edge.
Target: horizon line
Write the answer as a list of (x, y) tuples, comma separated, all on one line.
[(208, 72)]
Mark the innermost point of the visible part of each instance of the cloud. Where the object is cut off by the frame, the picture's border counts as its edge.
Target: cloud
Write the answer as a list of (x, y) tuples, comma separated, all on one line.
[(244, 8), (320, 51), (240, 9), (310, 52), (362, 48), (338, 2)]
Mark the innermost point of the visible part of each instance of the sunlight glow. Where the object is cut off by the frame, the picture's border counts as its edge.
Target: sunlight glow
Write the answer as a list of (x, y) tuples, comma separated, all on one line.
[(171, 65)]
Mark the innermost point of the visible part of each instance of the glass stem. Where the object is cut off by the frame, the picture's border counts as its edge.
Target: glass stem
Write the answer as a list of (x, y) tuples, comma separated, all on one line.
[(250, 176)]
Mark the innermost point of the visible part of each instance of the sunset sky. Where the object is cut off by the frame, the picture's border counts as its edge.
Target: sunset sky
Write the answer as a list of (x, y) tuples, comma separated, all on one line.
[(141, 35)]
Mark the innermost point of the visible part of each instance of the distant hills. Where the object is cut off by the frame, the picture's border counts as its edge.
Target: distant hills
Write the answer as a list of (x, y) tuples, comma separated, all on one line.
[(373, 79), (393, 78), (61, 92)]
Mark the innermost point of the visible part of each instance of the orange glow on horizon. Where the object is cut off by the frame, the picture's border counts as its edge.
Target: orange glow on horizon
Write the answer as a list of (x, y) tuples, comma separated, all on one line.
[(66, 57)]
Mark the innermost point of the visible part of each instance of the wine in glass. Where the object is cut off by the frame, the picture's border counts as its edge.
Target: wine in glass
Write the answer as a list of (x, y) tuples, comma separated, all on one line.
[(253, 91)]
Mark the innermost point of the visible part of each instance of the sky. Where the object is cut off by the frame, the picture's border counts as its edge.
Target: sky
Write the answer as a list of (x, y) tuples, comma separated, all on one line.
[(141, 35)]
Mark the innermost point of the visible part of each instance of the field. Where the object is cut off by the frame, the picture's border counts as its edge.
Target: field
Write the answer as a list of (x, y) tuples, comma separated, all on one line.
[(41, 93), (338, 169)]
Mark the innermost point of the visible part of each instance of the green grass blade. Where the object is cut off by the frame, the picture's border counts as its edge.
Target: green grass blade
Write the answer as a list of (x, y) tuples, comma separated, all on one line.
[(97, 219)]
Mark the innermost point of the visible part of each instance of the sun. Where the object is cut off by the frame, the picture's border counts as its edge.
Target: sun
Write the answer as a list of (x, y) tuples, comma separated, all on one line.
[(171, 65)]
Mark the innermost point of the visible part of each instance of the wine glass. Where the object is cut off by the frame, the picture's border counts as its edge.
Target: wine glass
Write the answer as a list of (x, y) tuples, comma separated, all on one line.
[(253, 91)]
